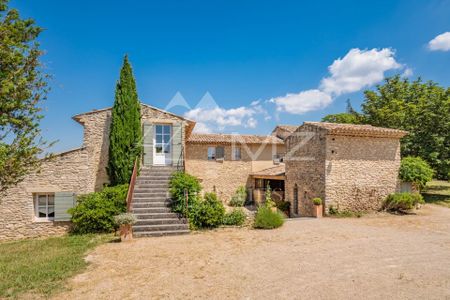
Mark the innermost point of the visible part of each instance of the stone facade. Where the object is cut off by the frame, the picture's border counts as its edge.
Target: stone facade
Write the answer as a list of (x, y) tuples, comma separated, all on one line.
[(349, 169), (79, 171), (224, 177), (65, 172), (360, 171), (305, 168)]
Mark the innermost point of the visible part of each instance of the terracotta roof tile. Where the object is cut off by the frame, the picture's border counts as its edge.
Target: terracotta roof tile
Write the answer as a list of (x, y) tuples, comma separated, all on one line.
[(358, 130), (289, 128), (273, 171), (208, 138)]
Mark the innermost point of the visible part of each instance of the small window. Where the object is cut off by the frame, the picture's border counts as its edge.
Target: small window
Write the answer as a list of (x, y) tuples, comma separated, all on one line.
[(215, 153), (44, 206), (237, 153), (211, 153)]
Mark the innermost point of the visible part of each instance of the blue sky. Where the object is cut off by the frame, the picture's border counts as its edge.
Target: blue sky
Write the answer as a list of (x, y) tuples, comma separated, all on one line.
[(247, 54)]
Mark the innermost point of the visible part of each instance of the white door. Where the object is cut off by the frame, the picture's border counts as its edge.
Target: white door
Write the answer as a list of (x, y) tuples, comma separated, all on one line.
[(162, 141)]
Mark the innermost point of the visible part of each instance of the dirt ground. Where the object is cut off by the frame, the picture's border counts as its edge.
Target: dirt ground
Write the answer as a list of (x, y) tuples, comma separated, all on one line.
[(374, 257)]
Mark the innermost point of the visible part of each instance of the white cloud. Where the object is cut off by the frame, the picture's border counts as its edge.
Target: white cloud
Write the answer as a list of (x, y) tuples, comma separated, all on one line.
[(358, 69), (202, 128), (217, 119), (302, 102), (440, 43), (407, 73)]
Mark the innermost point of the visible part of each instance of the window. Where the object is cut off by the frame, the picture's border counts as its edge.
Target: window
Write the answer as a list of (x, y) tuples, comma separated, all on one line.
[(236, 153), (215, 153), (162, 138), (211, 153), (44, 205)]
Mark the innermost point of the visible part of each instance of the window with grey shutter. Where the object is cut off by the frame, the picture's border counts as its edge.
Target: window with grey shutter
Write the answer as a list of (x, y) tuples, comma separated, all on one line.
[(148, 144), (220, 153), (177, 143), (63, 201)]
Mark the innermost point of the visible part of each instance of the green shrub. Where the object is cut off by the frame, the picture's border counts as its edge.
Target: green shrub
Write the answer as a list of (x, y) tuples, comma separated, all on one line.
[(284, 206), (125, 219), (265, 218), (235, 217), (317, 201), (403, 201), (207, 213), (415, 170), (95, 212), (239, 197), (268, 197), (179, 182)]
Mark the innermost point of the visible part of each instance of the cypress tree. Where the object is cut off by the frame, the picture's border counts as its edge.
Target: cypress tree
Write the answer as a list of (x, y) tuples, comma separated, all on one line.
[(125, 137)]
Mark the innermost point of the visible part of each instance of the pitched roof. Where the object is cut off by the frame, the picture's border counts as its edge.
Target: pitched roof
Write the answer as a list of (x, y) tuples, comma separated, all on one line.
[(358, 130), (212, 138), (77, 117), (273, 171), (288, 128)]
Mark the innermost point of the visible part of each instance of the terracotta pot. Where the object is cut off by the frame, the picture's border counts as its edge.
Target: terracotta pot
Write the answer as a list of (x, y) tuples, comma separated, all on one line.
[(126, 233), (317, 211)]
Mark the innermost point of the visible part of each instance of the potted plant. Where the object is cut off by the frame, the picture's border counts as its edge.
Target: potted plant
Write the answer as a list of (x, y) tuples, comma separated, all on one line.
[(125, 221), (317, 207)]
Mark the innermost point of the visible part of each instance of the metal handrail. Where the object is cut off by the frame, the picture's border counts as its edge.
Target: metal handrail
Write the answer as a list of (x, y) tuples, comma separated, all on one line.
[(132, 184)]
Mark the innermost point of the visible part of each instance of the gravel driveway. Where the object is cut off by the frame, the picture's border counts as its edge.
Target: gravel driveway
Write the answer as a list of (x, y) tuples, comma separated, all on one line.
[(378, 256)]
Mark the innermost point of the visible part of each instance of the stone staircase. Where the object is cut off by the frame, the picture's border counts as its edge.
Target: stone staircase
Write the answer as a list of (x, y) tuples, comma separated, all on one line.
[(151, 202)]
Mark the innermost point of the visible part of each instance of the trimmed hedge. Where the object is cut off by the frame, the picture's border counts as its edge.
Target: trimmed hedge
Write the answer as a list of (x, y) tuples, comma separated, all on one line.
[(416, 170), (403, 201)]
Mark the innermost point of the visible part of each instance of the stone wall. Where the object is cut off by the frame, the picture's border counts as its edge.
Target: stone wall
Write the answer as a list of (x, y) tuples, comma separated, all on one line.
[(361, 171), (224, 177), (80, 171), (305, 167), (65, 172)]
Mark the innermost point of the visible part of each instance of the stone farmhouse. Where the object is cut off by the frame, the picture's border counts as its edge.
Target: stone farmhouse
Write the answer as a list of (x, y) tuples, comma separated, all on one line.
[(350, 167)]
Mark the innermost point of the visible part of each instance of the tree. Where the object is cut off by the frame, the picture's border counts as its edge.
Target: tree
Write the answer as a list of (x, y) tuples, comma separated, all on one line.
[(351, 116), (415, 170), (125, 138), (23, 86), (421, 108), (342, 118)]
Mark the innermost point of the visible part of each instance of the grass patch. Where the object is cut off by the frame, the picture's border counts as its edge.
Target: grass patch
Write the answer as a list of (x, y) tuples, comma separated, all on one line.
[(437, 192), (42, 265)]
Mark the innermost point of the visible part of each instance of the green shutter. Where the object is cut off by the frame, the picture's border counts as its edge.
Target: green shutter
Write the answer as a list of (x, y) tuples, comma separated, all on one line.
[(63, 201), (177, 143), (148, 144)]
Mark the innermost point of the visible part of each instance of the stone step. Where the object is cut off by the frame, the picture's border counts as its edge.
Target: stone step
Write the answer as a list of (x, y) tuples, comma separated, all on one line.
[(159, 233), (161, 227), (161, 179), (150, 200), (170, 215), (148, 204), (160, 221), (151, 181), (151, 185), (150, 190), (151, 210), (150, 195)]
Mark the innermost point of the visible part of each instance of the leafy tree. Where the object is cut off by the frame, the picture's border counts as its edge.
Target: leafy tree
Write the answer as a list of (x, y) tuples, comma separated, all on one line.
[(342, 118), (421, 108), (23, 85), (351, 116), (126, 134), (416, 170)]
